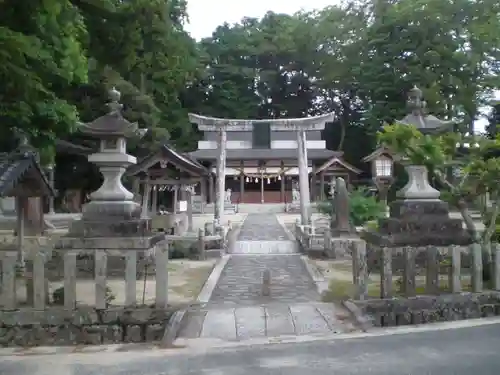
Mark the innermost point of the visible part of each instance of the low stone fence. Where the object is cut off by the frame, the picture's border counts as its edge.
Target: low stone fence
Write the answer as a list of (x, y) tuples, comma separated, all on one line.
[(316, 240), (385, 255), (425, 309), (309, 240), (42, 321), (437, 303)]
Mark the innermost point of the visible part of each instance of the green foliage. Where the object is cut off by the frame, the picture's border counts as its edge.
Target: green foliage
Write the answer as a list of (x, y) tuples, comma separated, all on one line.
[(362, 207)]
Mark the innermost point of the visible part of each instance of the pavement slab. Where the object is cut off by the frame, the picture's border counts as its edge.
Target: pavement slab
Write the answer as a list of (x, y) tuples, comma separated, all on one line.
[(272, 320)]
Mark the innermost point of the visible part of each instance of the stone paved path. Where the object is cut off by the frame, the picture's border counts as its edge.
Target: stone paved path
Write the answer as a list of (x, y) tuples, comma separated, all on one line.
[(262, 227), (241, 281), (237, 308), (273, 320)]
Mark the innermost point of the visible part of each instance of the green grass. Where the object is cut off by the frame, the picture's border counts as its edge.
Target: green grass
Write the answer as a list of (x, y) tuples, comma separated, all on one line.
[(340, 290)]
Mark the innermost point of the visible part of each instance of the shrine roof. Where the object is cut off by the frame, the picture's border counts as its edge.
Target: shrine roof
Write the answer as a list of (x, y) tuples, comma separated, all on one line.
[(262, 154), (166, 153), (21, 167), (378, 152), (337, 159)]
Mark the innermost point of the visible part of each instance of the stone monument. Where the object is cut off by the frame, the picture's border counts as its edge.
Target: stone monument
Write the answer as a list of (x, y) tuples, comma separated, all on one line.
[(341, 224)]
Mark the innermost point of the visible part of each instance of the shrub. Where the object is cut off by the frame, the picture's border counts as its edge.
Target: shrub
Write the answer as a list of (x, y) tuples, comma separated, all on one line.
[(362, 206)]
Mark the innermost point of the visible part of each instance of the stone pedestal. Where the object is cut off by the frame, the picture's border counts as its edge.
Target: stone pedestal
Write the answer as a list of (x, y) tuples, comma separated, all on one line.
[(419, 218)]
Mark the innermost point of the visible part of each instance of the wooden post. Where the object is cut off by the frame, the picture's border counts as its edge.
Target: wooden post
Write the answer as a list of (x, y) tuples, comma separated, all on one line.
[(322, 186), (313, 186), (154, 200), (189, 197), (242, 187), (203, 193), (221, 179), (51, 176), (282, 187), (303, 177), (261, 188), (145, 199), (176, 198), (21, 215), (327, 242)]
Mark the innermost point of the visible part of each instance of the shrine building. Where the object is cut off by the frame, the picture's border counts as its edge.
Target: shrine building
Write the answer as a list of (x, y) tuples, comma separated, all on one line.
[(262, 157)]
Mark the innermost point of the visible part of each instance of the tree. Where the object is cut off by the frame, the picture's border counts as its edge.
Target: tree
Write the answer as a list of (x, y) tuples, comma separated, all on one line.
[(477, 167), (41, 57), (493, 121)]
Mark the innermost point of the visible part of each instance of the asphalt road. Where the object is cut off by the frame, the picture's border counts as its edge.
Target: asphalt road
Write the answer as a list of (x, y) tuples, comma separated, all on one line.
[(458, 351)]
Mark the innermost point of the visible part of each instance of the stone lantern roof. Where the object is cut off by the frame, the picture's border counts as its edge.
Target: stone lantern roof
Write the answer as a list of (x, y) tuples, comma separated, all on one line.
[(419, 118), (112, 124)]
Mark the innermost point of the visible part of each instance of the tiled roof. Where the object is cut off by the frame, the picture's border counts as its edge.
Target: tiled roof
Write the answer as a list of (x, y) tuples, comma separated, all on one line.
[(181, 160), (14, 166)]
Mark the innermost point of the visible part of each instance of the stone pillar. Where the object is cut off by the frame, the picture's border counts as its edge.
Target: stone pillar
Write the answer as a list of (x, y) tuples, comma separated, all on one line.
[(145, 199), (303, 177), (154, 200), (211, 188), (242, 186), (221, 179), (322, 186), (51, 170)]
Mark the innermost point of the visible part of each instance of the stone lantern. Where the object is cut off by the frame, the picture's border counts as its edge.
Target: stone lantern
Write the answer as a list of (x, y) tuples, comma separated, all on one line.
[(417, 116), (112, 209), (419, 223), (382, 168)]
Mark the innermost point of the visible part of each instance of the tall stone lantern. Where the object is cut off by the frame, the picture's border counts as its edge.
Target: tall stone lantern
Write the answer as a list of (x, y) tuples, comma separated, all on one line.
[(112, 209), (419, 221)]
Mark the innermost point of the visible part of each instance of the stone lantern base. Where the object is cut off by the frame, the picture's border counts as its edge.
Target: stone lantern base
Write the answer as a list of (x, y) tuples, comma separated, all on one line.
[(418, 223)]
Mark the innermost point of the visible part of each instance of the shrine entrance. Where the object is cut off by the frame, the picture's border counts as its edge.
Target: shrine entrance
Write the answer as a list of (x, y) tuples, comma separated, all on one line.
[(253, 159)]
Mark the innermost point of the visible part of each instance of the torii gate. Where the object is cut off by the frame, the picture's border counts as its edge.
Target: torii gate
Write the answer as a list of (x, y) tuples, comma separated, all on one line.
[(300, 125)]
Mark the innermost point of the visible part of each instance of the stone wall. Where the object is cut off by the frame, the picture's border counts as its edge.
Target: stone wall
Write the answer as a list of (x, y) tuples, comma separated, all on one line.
[(82, 326), (425, 309)]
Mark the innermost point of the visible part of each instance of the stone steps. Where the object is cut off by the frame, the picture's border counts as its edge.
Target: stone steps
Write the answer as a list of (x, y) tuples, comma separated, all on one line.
[(264, 247)]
